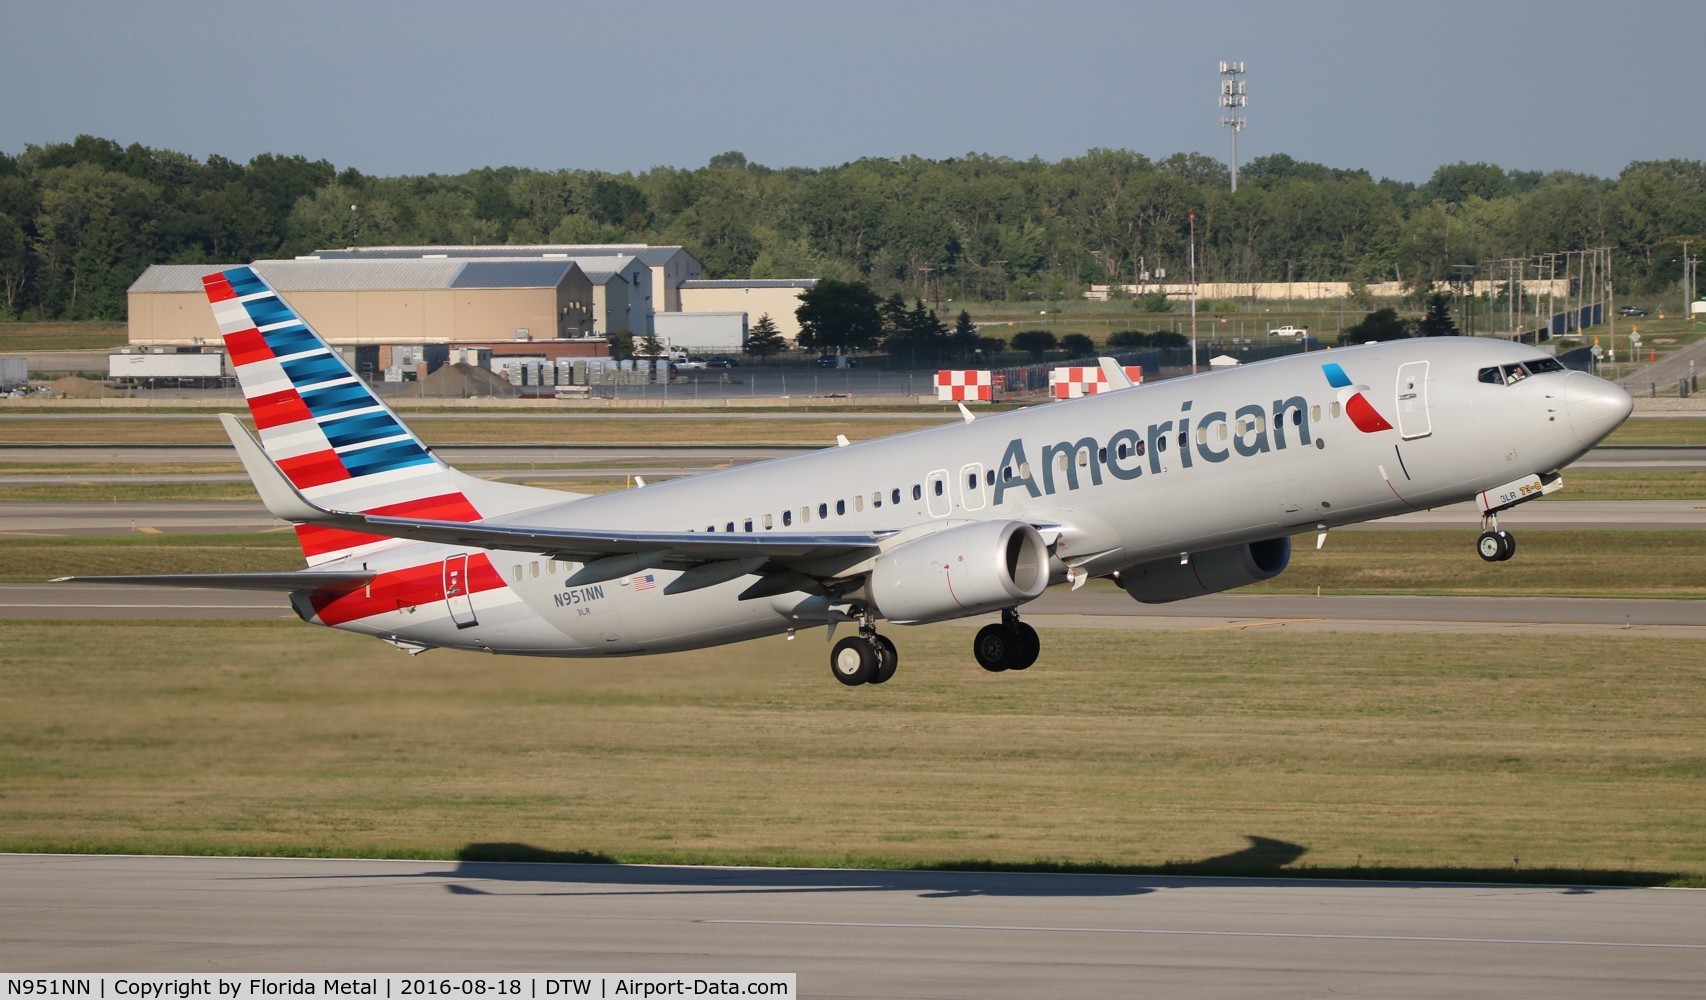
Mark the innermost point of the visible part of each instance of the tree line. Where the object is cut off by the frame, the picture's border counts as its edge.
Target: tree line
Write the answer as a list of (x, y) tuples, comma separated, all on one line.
[(79, 221)]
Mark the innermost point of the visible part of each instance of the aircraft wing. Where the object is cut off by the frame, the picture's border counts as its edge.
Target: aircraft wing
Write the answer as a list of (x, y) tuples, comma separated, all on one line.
[(673, 548), (300, 580)]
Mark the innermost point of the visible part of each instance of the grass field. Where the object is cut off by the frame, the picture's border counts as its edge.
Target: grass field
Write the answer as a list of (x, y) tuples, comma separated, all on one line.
[(15, 337), (1133, 750)]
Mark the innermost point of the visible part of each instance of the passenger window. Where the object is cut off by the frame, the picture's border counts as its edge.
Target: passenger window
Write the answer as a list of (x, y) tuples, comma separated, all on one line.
[(859, 503), (1297, 416), (894, 497), (823, 511), (917, 492), (730, 527), (1161, 443), (1221, 427), (805, 515), (989, 478), (515, 573), (768, 523), (937, 487), (1333, 410), (1202, 435), (877, 499), (551, 567), (971, 480), (841, 506), (749, 524), (1314, 414), (787, 518), (533, 570)]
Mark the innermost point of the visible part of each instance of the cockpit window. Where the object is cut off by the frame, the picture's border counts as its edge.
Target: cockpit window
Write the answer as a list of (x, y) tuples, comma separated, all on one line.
[(1513, 373)]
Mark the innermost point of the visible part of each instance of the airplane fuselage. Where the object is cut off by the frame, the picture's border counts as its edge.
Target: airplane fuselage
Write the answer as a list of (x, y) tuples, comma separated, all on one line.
[(1153, 472)]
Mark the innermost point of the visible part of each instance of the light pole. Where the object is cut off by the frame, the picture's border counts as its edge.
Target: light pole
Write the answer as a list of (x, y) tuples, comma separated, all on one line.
[(1232, 98)]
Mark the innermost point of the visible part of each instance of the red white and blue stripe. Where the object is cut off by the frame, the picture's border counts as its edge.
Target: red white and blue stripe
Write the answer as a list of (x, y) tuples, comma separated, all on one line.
[(326, 430)]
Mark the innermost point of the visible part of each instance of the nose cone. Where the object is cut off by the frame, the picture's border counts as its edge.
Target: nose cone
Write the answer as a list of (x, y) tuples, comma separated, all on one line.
[(1595, 407)]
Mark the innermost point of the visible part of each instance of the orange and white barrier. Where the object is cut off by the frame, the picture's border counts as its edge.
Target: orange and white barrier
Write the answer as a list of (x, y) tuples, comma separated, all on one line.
[(1071, 383), (964, 385)]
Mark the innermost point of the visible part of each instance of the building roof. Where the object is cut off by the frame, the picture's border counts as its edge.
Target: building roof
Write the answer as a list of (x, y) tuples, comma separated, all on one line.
[(387, 274), (745, 283), (649, 255)]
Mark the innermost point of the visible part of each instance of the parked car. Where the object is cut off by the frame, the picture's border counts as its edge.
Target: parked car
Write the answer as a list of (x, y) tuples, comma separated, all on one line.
[(721, 361), (838, 361), (692, 365), (1289, 331), (1631, 311)]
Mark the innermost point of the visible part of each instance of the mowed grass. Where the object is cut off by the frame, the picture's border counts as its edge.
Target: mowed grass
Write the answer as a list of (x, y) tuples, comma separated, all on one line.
[(1129, 749), (1660, 431), (61, 336)]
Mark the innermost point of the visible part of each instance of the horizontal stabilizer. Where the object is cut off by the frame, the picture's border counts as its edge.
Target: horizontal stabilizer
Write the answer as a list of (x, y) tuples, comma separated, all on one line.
[(286, 582)]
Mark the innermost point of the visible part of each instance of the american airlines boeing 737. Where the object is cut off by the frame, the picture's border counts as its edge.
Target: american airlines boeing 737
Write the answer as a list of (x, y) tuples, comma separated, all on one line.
[(1176, 489)]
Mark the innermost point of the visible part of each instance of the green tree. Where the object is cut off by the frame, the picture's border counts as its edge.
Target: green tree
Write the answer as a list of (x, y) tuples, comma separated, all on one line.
[(1437, 322), (1034, 342), (1381, 324), (838, 317), (964, 338), (1078, 345), (1128, 339), (14, 264), (764, 340)]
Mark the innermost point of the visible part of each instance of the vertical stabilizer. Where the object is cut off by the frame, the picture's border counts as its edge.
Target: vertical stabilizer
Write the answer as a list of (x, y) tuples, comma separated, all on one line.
[(324, 428)]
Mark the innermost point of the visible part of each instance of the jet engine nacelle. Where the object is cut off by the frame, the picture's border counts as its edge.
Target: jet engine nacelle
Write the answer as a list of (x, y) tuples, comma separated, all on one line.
[(1207, 572), (969, 569)]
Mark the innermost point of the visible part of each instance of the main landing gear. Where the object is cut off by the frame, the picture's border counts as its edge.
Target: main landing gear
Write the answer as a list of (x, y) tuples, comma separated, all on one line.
[(1007, 645), (866, 658), (1494, 545)]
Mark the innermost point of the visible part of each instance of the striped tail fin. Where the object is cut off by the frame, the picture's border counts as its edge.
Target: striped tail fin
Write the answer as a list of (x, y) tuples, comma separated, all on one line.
[(336, 441)]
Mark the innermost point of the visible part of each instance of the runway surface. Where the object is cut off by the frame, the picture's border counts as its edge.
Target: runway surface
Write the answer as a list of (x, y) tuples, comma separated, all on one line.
[(853, 933)]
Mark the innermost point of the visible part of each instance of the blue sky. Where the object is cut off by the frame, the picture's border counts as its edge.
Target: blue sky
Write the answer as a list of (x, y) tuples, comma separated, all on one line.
[(392, 87)]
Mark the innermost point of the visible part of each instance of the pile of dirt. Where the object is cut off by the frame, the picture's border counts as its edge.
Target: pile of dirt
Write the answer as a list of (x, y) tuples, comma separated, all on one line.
[(464, 381), (73, 387)]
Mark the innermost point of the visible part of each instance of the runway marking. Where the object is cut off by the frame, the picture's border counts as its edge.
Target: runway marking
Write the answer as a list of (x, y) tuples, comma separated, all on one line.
[(1143, 931), (1270, 624)]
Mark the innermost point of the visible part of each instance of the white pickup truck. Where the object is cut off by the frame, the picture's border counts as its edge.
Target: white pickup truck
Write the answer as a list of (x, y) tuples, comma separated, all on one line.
[(1289, 331)]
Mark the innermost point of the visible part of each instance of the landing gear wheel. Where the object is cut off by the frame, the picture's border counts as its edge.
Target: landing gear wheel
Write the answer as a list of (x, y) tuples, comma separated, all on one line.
[(853, 661), (1026, 646), (994, 647), (888, 659), (1495, 546)]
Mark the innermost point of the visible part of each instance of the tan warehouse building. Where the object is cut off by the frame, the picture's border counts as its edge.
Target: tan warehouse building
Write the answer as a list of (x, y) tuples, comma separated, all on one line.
[(382, 301)]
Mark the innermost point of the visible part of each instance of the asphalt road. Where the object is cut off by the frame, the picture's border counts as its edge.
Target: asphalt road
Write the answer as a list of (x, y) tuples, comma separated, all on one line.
[(854, 933)]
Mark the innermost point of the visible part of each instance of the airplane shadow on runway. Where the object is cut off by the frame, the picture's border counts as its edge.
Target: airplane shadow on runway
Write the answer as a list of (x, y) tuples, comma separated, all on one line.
[(1265, 861), (524, 863)]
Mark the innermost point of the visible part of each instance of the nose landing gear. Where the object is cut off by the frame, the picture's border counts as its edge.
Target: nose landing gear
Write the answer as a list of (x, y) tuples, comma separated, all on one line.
[(1494, 545)]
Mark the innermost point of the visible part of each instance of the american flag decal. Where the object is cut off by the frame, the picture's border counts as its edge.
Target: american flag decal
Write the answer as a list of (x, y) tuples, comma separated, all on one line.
[(646, 582)]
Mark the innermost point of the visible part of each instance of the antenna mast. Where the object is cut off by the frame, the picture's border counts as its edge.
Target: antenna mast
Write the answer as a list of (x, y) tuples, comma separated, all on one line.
[(1232, 98)]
